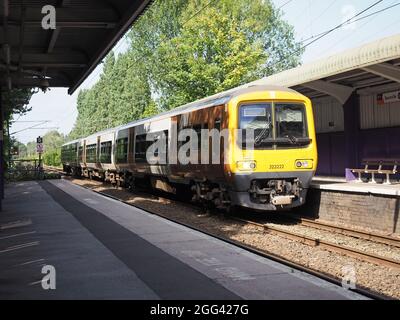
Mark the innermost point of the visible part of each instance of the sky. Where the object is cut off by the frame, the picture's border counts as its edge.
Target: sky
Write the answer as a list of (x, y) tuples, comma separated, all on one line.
[(308, 17)]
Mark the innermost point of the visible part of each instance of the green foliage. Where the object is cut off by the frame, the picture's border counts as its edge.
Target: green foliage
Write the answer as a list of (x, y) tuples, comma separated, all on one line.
[(14, 145), (52, 157), (184, 50), (212, 54), (31, 149), (14, 102), (52, 142)]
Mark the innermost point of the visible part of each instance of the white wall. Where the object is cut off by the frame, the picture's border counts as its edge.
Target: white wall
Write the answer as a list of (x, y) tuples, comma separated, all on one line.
[(374, 116), (328, 111)]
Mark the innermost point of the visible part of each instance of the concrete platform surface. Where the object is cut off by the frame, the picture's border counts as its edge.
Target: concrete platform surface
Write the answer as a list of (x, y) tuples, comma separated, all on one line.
[(103, 249), (341, 185)]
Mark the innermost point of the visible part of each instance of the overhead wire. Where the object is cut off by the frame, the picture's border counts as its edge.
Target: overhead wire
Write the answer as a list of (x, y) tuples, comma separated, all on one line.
[(324, 34), (356, 20)]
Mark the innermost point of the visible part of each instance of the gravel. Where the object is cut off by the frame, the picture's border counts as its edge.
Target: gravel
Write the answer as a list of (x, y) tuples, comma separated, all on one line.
[(344, 240), (378, 278)]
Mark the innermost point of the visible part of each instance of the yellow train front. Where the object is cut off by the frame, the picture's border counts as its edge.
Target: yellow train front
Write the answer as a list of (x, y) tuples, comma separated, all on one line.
[(272, 164)]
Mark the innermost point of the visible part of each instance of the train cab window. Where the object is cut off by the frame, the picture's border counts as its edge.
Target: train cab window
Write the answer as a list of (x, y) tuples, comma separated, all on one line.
[(105, 152), (290, 121), (258, 119), (122, 150)]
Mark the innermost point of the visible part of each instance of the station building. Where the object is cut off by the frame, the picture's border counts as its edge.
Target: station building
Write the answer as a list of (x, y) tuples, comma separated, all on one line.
[(356, 98)]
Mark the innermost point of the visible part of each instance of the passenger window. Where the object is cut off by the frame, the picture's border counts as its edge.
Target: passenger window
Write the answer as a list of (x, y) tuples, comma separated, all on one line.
[(217, 124), (122, 151), (142, 145), (105, 152), (91, 153)]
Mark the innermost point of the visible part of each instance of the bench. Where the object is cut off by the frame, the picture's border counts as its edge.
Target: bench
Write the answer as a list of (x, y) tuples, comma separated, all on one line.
[(378, 168)]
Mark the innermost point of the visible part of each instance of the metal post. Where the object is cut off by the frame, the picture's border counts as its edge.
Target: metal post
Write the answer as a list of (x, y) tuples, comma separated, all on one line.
[(9, 144), (40, 166), (1, 151)]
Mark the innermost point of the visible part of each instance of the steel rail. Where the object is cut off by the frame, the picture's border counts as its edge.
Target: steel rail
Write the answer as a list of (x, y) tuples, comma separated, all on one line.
[(316, 242), (388, 240)]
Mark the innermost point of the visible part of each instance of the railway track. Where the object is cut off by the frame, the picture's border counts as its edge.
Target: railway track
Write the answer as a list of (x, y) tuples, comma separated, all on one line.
[(391, 241), (316, 242)]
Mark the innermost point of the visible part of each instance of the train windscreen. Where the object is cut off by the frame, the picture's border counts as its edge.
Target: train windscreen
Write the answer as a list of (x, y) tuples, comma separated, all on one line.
[(271, 125), (290, 121)]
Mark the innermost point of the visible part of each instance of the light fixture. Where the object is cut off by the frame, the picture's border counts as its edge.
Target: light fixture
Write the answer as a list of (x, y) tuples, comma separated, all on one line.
[(44, 84)]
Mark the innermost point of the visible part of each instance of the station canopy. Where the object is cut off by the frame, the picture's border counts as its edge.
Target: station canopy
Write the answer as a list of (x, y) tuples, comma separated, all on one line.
[(366, 69), (85, 32)]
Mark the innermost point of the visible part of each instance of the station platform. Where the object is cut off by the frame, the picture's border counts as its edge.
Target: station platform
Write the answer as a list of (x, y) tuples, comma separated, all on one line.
[(340, 184), (369, 206), (103, 249)]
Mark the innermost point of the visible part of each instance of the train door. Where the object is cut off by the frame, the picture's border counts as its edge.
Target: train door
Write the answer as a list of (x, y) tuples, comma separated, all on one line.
[(173, 148), (215, 171), (98, 153), (84, 153), (131, 146)]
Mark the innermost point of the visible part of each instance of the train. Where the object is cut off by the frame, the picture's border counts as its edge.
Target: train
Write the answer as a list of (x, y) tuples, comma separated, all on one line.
[(260, 152)]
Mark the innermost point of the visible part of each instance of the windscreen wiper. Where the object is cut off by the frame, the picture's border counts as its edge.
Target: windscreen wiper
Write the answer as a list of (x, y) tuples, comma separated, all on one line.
[(259, 139), (296, 141)]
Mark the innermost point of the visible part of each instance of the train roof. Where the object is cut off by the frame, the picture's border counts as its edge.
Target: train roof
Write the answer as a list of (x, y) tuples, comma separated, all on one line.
[(214, 100), (110, 130), (71, 142), (102, 132)]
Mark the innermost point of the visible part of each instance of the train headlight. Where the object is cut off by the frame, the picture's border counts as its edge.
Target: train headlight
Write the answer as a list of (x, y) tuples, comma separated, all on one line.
[(246, 165), (304, 164)]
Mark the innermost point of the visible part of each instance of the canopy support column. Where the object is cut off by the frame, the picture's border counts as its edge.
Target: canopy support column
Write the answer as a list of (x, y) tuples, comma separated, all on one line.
[(1, 150), (351, 127)]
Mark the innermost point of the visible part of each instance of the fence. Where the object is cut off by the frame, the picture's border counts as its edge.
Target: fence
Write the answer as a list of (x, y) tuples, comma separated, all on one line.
[(19, 170)]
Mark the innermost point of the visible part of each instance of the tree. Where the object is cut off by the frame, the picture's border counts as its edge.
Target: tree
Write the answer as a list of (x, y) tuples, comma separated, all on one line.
[(223, 46), (184, 50), (31, 149), (14, 102)]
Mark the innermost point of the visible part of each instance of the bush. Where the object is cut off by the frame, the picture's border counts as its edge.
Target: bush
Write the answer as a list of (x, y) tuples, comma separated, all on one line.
[(52, 157)]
